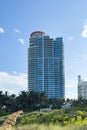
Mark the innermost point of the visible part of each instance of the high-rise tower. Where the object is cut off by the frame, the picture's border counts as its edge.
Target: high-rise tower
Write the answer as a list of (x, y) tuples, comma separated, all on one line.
[(82, 88), (46, 65)]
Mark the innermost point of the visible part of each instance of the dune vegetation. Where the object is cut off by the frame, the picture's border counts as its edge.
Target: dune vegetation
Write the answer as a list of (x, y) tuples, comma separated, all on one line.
[(51, 127), (63, 119)]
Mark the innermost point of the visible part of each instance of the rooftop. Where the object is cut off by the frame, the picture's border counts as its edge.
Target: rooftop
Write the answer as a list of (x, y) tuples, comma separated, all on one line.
[(36, 33)]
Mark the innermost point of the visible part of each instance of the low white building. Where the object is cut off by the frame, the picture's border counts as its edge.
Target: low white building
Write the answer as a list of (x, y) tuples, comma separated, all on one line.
[(82, 88)]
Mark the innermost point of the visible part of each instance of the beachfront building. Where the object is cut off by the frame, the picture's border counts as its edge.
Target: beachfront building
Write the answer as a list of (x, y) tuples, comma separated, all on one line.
[(46, 65)]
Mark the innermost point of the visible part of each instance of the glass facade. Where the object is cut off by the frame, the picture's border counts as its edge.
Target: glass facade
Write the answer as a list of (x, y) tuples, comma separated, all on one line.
[(46, 65)]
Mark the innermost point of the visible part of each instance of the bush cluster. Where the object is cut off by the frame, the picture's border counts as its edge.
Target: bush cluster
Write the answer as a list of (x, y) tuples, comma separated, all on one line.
[(58, 117)]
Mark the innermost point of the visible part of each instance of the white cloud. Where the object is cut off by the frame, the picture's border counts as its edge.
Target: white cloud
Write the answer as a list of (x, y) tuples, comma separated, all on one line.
[(1, 30), (74, 68), (21, 41), (70, 38), (14, 72), (84, 32), (17, 30), (13, 83), (71, 89)]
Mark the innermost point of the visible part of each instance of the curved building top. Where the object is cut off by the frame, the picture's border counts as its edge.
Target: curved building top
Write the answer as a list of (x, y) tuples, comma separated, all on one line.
[(36, 33)]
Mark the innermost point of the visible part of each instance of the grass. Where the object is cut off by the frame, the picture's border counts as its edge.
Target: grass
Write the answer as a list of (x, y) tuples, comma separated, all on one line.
[(51, 127)]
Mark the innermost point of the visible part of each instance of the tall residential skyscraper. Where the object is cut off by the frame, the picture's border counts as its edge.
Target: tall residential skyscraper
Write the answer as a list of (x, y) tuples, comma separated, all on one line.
[(82, 88), (46, 65)]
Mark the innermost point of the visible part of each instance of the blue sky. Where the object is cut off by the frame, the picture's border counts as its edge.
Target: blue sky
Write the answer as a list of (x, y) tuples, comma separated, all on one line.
[(18, 18)]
